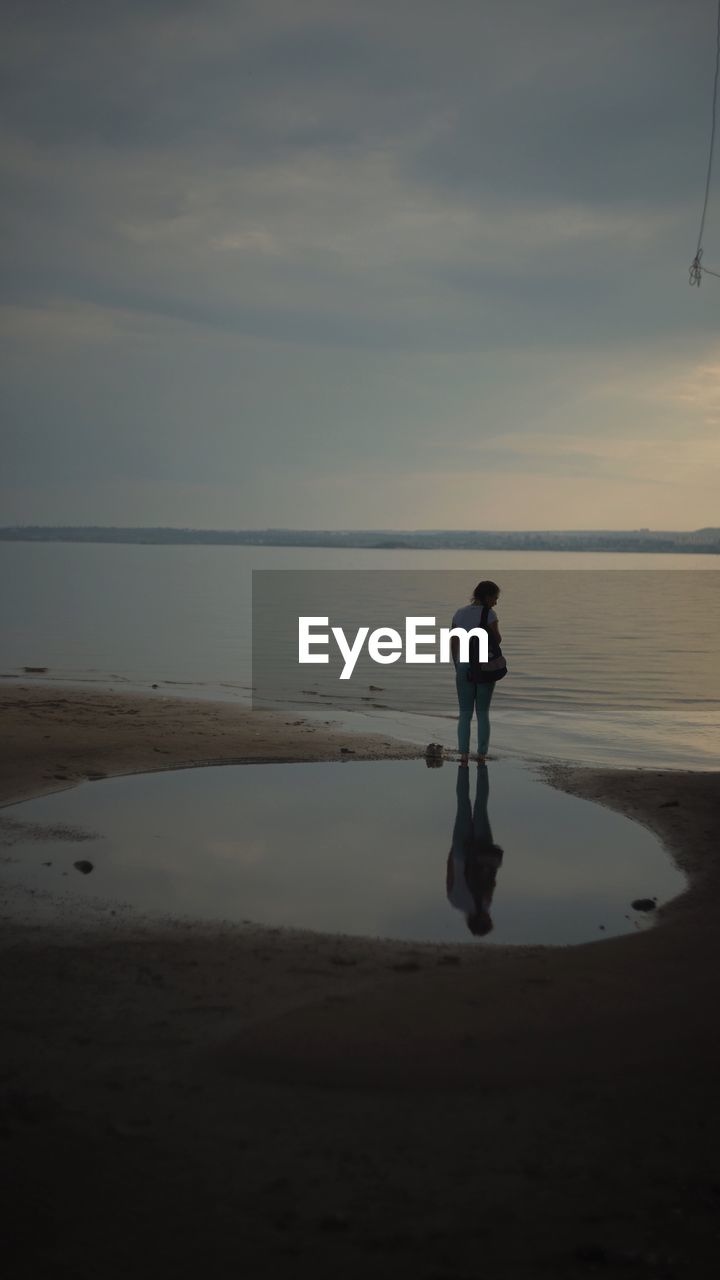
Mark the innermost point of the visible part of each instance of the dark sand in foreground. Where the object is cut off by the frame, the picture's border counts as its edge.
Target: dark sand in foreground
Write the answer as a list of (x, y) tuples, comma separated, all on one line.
[(194, 1100)]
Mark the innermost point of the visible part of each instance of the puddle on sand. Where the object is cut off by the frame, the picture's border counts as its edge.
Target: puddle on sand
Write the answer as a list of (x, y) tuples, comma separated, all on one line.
[(381, 849)]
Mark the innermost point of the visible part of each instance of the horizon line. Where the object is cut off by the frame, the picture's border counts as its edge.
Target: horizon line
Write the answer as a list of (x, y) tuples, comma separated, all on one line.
[(322, 529)]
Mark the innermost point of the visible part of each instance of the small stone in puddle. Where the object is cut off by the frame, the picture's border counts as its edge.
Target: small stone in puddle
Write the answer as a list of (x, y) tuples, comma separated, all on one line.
[(84, 866), (643, 904)]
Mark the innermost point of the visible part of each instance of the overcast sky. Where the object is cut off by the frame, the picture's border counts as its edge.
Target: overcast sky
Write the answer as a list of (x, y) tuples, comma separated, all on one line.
[(377, 263)]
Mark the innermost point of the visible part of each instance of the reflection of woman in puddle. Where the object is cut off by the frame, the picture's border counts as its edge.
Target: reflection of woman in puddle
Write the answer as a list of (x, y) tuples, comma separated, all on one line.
[(473, 860)]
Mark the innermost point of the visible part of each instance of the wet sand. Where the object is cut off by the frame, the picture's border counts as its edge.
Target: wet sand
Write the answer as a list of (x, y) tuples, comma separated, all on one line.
[(55, 737), (194, 1099)]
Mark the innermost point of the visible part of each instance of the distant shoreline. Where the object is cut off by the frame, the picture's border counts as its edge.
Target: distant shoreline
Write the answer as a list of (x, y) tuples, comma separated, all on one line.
[(696, 542)]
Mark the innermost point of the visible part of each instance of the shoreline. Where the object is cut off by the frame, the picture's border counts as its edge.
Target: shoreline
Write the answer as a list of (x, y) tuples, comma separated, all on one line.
[(154, 731), (403, 730), (376, 1104)]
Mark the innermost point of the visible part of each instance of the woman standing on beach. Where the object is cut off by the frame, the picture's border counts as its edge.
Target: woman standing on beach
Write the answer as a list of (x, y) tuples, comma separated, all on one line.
[(471, 695)]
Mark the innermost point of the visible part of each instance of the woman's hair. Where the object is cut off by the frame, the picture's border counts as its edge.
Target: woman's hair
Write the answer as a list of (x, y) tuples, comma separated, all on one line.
[(484, 589)]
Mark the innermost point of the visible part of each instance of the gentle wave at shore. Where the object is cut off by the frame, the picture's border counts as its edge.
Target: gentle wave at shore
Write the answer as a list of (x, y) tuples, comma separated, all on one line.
[(607, 666)]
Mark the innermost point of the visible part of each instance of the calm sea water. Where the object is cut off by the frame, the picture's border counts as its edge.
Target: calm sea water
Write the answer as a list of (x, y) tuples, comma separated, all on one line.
[(614, 658)]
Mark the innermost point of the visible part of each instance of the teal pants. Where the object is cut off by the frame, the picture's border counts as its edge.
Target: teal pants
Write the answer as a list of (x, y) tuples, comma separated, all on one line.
[(479, 697)]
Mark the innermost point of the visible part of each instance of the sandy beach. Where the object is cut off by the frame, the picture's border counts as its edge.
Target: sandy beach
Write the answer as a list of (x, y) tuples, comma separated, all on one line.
[(188, 1098)]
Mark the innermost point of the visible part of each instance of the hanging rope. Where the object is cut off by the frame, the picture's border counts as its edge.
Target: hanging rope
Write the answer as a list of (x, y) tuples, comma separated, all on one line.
[(696, 267)]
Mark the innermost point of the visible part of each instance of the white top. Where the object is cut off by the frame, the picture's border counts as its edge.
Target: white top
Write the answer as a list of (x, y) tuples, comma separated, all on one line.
[(459, 894), (469, 616)]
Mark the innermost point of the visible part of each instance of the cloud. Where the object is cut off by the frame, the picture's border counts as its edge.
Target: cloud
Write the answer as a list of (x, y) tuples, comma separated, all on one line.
[(242, 239)]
